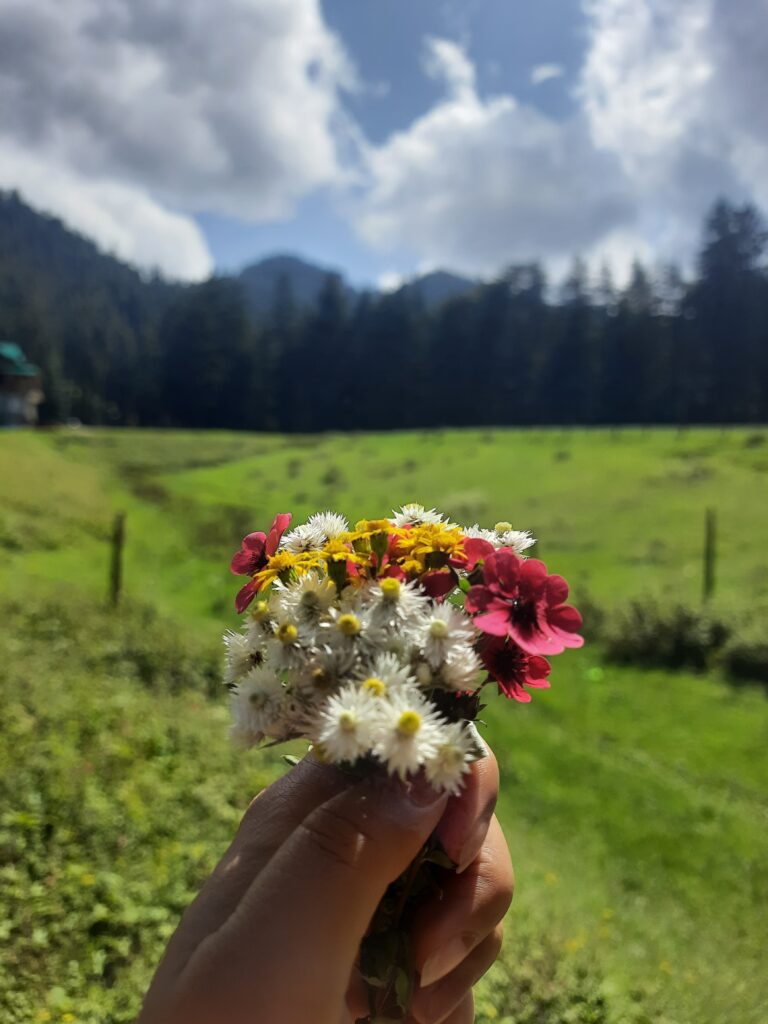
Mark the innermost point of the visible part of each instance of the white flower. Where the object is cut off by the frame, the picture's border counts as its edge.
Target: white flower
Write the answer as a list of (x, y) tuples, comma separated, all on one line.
[(441, 631), (239, 657), (324, 670), (352, 629), (258, 624), (306, 600), (393, 602), (386, 676), (503, 536), (416, 515), (477, 532), (307, 537), (446, 768), (290, 641), (330, 524), (256, 705), (461, 668), (518, 540), (408, 732), (345, 725)]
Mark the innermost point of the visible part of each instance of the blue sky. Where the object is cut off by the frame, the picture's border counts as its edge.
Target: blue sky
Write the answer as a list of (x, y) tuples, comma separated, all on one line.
[(506, 40), (385, 138)]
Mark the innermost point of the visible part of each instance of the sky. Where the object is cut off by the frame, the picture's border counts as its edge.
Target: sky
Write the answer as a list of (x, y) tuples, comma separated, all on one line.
[(385, 138)]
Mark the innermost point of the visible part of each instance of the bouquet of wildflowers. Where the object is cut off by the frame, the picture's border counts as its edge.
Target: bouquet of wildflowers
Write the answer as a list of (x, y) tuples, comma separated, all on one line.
[(374, 644)]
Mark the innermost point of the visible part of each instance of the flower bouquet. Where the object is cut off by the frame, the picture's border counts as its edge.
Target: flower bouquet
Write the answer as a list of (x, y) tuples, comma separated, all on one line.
[(374, 643)]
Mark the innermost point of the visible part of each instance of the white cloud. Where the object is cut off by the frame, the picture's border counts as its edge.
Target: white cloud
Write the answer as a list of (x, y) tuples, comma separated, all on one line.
[(545, 72), (230, 107), (121, 219), (672, 88), (476, 183)]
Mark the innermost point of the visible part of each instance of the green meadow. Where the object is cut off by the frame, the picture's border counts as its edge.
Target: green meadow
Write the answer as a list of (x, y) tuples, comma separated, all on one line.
[(635, 802)]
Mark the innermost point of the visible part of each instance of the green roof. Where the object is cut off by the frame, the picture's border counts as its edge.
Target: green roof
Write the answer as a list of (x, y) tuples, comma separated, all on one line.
[(19, 367)]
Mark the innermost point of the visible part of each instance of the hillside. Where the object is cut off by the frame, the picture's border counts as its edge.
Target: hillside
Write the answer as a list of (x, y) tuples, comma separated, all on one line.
[(634, 801)]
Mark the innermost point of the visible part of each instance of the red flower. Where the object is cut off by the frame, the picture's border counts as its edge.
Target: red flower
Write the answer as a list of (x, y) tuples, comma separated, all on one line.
[(520, 600), (254, 553), (438, 583), (510, 667), (475, 550)]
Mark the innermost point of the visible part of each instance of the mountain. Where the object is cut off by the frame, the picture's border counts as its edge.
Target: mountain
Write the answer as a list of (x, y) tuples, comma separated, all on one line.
[(89, 321), (437, 287), (297, 278)]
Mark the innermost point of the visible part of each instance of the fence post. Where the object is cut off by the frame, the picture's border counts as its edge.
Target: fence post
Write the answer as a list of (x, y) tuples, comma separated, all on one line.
[(710, 553), (116, 561)]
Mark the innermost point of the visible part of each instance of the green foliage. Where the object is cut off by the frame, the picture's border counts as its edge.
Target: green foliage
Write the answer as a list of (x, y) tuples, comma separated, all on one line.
[(648, 633), (745, 656), (633, 799), (107, 778)]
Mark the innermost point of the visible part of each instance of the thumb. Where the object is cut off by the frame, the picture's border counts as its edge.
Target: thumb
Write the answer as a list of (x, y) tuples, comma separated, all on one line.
[(317, 895)]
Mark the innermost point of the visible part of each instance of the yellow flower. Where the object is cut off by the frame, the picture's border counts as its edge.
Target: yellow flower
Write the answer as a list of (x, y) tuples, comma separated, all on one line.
[(416, 545), (337, 550), (284, 562), (369, 527)]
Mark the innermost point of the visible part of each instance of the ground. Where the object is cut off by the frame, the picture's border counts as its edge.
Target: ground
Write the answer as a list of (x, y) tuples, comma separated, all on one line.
[(634, 801)]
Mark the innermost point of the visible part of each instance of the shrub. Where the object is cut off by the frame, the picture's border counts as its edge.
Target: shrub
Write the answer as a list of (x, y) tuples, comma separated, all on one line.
[(745, 656), (648, 633)]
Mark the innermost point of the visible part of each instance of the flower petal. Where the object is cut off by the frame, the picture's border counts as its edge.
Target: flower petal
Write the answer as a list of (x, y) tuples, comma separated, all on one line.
[(244, 597), (495, 622)]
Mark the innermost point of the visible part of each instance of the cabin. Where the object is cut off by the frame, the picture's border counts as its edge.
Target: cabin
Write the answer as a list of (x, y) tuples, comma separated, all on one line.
[(20, 387)]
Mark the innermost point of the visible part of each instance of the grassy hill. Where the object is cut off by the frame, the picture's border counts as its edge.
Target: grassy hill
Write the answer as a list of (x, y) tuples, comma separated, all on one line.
[(634, 802)]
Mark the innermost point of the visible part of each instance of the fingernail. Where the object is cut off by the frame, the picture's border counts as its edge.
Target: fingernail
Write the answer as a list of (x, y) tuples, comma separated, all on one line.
[(444, 960), (474, 843)]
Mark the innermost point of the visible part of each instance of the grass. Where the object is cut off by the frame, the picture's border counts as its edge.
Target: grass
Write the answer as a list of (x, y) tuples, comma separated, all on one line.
[(634, 801)]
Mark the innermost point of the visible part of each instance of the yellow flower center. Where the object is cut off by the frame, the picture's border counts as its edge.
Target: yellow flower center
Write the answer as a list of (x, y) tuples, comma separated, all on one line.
[(375, 686), (287, 633), (438, 629), (409, 723), (349, 624), (348, 721), (449, 757), (260, 611), (390, 589), (502, 527)]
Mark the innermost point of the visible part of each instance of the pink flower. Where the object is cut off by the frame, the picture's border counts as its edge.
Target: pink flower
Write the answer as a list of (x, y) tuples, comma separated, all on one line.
[(510, 667), (255, 551), (519, 600)]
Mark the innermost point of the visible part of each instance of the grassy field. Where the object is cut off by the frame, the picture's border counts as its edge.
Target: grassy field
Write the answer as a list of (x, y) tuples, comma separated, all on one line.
[(635, 802)]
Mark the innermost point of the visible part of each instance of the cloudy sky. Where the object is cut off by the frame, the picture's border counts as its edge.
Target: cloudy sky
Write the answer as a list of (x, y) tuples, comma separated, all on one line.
[(384, 137)]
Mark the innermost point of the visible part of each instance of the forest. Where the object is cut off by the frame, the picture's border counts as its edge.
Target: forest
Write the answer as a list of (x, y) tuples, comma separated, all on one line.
[(120, 348)]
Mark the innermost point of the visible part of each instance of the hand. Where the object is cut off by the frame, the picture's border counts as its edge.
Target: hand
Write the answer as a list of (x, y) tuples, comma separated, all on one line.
[(273, 936)]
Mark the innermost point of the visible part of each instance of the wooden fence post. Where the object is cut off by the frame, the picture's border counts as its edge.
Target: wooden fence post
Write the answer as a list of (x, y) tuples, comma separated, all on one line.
[(710, 553), (116, 561)]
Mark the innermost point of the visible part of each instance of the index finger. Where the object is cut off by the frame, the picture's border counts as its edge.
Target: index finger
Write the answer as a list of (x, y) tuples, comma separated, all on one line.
[(464, 826)]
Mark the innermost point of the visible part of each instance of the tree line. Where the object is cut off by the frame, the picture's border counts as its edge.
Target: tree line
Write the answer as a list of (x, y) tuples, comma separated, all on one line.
[(119, 348)]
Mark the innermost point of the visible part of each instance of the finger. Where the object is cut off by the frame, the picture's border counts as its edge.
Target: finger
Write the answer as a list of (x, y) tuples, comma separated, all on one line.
[(472, 904), (465, 823), (313, 902), (433, 1004), (270, 819), (464, 1012)]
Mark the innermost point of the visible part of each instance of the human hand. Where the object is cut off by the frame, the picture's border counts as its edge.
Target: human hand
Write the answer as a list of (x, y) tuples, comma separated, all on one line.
[(274, 934)]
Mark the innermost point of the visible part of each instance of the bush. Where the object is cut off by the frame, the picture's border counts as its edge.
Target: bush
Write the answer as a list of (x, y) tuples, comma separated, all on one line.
[(745, 656), (657, 636)]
